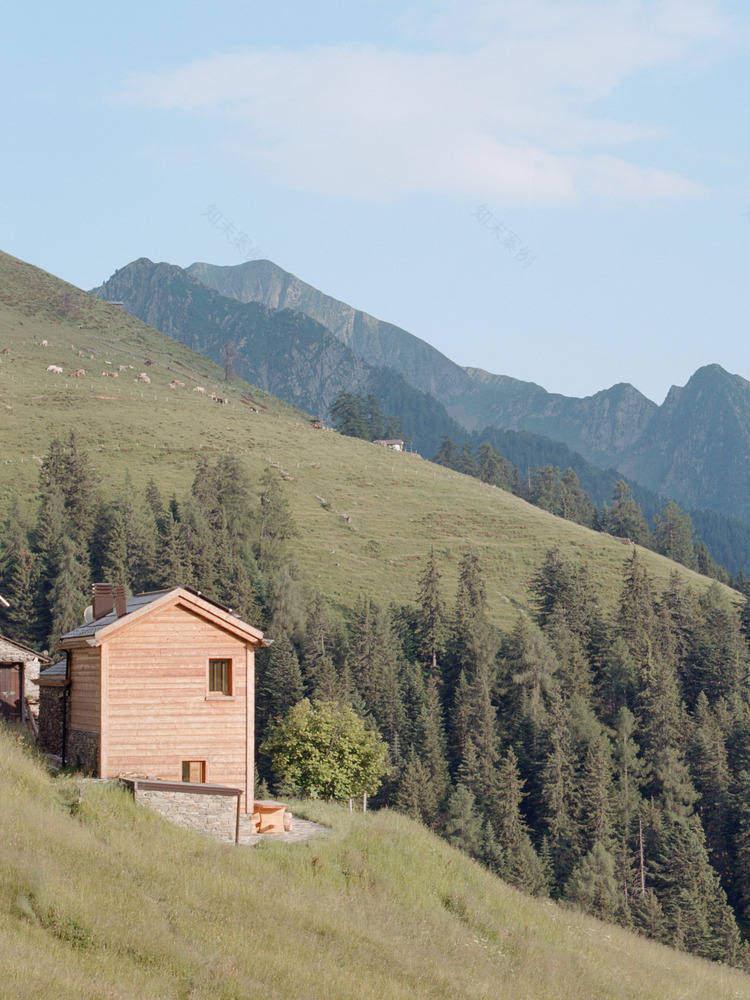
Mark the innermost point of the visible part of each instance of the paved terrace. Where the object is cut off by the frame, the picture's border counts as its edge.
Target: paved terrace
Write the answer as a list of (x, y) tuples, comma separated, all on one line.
[(302, 829)]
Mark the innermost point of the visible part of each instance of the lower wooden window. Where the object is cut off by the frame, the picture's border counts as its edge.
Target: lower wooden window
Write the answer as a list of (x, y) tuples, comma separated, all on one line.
[(194, 770), (220, 676)]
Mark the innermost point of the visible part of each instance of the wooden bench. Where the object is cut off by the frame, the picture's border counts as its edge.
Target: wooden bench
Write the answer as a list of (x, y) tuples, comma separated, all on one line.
[(268, 816)]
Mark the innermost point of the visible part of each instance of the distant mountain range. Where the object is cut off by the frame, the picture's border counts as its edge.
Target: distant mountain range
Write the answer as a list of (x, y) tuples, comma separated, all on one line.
[(305, 346)]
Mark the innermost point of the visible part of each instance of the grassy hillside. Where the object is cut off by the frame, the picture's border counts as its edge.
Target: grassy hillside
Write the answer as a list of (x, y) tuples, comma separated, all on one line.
[(367, 516), (102, 899)]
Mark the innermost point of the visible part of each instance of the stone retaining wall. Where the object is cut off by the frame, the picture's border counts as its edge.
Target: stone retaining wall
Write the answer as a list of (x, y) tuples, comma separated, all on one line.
[(212, 814), (82, 751), (50, 722)]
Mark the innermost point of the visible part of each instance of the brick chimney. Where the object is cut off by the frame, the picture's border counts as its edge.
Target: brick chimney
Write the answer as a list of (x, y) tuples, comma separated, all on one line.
[(108, 597)]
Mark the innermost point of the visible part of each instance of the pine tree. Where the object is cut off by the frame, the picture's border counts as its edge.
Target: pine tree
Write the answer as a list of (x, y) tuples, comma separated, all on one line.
[(533, 668), (625, 518), (673, 535), (709, 768), (278, 683), (414, 794), (277, 526), (171, 565), (637, 619), (69, 593), (559, 796), (430, 622), (593, 886), (521, 865), (463, 826), (18, 579), (595, 806), (447, 454), (718, 662)]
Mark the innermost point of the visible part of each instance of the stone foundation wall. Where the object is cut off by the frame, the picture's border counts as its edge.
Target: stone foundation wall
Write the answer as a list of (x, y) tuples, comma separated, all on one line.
[(212, 814), (82, 751), (50, 720)]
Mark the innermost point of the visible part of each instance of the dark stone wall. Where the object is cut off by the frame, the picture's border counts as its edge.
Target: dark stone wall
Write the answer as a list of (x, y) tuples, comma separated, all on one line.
[(82, 751), (51, 700), (82, 747)]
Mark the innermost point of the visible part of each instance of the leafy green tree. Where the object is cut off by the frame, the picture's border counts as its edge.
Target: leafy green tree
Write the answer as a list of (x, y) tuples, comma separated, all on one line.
[(323, 749)]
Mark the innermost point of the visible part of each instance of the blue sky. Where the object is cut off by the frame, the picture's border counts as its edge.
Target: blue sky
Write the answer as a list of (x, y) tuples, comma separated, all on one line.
[(556, 190)]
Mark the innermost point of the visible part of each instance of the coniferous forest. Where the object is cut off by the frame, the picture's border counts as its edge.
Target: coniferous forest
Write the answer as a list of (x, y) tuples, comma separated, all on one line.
[(598, 758)]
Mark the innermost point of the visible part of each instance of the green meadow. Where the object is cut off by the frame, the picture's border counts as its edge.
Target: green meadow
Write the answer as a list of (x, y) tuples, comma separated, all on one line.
[(367, 516), (102, 900)]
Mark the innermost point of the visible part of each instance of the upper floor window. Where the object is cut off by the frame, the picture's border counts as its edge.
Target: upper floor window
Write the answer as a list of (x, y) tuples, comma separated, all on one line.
[(220, 677)]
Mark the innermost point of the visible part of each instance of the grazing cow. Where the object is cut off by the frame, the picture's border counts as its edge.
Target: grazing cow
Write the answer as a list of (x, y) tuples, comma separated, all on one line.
[(78, 372), (176, 384), (143, 377), (55, 368), (6, 350), (122, 368), (45, 344), (199, 388)]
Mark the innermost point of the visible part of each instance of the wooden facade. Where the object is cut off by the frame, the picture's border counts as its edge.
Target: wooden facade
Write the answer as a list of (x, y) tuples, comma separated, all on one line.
[(165, 690)]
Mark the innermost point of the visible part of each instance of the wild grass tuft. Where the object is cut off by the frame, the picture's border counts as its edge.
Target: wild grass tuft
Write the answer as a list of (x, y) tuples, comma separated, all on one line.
[(106, 900)]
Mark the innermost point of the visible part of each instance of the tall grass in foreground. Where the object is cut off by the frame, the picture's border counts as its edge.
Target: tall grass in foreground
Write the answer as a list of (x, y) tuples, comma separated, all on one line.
[(101, 899)]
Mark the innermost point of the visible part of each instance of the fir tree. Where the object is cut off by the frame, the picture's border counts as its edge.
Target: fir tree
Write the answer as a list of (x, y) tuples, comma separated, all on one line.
[(463, 826), (430, 624)]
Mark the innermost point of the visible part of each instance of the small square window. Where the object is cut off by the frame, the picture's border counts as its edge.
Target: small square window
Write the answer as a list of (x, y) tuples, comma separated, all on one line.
[(194, 770), (220, 677)]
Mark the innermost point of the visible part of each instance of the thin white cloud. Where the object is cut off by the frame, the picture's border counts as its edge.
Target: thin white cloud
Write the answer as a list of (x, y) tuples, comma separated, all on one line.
[(501, 106)]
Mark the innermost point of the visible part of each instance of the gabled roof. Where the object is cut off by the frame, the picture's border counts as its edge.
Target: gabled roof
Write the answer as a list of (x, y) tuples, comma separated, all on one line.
[(143, 605), (16, 651)]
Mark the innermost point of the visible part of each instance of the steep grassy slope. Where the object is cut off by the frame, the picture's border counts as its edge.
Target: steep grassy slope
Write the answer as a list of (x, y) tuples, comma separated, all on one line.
[(101, 899), (367, 516)]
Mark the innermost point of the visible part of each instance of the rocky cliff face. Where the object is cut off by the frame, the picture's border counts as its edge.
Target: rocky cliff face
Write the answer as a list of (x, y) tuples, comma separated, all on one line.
[(600, 426), (379, 344), (305, 347), (697, 447), (285, 352)]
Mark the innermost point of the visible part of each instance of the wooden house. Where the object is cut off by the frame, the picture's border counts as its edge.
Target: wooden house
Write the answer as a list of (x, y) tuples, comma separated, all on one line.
[(158, 686)]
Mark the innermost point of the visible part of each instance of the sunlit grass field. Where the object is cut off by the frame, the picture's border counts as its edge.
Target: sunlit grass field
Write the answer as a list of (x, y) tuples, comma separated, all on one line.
[(367, 516), (99, 898)]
